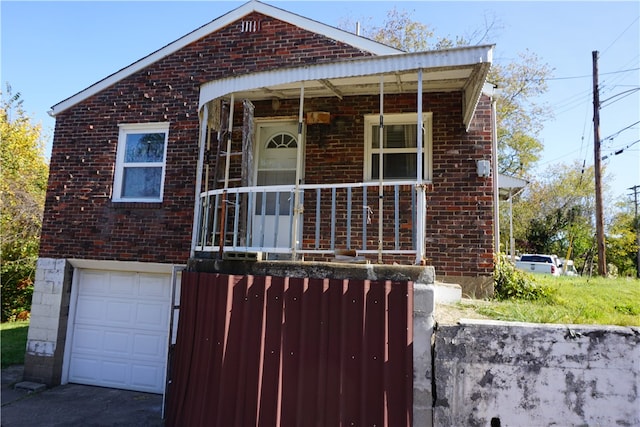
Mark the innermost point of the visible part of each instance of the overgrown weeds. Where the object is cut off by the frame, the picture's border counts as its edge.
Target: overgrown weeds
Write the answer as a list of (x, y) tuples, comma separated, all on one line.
[(511, 283), (523, 297)]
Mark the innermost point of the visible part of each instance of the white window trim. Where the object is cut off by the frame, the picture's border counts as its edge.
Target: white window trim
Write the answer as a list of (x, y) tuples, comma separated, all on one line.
[(371, 120), (127, 128)]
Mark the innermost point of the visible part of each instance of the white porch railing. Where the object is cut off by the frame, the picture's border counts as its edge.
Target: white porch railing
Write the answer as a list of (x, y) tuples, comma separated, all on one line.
[(331, 217)]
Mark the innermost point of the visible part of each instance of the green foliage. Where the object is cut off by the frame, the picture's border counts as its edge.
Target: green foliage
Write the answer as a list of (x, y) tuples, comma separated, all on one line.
[(554, 214), (14, 342), (519, 116), (513, 284), (577, 300), (622, 243), (23, 183)]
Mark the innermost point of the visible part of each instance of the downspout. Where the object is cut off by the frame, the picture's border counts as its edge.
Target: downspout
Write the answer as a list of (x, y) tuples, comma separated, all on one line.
[(297, 210), (512, 245), (197, 206), (494, 173), (380, 169), (420, 188)]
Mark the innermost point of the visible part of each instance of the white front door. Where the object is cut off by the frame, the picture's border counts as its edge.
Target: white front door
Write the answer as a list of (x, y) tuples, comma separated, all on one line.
[(275, 165)]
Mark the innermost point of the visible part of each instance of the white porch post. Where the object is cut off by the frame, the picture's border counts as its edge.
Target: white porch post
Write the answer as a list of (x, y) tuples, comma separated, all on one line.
[(421, 197), (494, 176), (380, 169), (297, 209), (204, 121), (512, 244)]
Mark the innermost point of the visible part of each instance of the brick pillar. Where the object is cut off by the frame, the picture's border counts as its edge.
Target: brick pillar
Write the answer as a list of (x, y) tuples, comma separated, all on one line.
[(48, 325), (423, 323)]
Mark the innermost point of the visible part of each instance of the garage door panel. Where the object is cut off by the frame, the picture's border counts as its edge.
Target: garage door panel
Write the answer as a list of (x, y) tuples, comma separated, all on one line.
[(90, 310), (119, 313), (150, 288), (120, 330), (122, 284), (92, 283), (148, 346), (145, 377), (151, 316), (116, 343), (115, 372), (84, 368), (87, 340)]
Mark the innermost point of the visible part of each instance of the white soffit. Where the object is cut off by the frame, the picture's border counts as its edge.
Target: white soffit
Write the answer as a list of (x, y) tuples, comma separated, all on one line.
[(510, 185), (215, 25), (451, 69)]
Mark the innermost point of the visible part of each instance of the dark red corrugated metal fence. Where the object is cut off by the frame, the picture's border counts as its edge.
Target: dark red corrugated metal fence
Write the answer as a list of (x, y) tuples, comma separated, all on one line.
[(273, 351)]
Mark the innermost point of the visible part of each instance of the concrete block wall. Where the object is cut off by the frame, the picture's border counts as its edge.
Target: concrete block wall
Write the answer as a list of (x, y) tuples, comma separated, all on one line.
[(49, 317), (424, 299), (489, 373)]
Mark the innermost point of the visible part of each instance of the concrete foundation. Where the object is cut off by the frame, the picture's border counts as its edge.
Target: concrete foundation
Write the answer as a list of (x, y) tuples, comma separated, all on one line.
[(489, 373)]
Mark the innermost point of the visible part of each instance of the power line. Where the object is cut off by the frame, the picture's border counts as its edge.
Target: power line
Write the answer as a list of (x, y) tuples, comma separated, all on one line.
[(586, 75), (627, 92), (619, 36), (620, 131), (620, 151)]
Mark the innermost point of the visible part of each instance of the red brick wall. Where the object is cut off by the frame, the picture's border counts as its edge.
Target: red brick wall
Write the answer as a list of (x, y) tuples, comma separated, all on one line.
[(81, 221), (459, 203)]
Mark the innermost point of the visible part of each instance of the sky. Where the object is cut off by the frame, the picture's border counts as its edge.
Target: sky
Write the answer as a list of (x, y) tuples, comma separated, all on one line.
[(51, 50)]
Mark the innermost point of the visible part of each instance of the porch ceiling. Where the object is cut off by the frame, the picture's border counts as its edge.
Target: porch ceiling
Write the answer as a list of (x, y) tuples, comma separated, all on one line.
[(400, 82), (461, 69)]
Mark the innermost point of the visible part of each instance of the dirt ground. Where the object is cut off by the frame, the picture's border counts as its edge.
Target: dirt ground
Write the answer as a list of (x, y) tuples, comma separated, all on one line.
[(450, 314)]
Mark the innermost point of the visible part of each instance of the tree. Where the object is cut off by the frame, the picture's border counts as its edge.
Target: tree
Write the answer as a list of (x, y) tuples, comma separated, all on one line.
[(622, 244), (23, 184), (555, 213), (519, 117)]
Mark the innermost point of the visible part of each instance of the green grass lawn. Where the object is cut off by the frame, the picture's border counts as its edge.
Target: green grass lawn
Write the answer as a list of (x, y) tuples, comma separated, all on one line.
[(13, 341), (576, 300)]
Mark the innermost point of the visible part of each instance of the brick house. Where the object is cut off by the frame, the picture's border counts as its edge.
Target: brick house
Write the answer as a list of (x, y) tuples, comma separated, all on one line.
[(256, 136)]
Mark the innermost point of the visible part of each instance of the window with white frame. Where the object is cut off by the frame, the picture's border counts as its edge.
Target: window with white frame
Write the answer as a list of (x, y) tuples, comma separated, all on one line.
[(141, 162), (400, 148)]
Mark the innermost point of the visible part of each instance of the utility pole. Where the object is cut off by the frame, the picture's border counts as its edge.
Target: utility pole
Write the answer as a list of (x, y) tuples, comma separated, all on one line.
[(602, 257), (636, 221)]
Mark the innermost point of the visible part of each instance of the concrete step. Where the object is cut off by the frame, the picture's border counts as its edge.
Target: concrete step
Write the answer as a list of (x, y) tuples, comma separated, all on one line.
[(448, 293)]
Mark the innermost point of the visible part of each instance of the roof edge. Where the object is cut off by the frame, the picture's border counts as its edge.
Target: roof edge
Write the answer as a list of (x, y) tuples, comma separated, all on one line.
[(218, 23), (468, 55)]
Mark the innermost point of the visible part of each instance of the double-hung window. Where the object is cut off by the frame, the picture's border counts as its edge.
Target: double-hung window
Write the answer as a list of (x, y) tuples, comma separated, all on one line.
[(141, 162), (400, 147)]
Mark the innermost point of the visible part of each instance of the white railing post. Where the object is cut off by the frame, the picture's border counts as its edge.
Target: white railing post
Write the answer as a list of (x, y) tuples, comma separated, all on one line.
[(421, 198), (297, 210), (380, 170)]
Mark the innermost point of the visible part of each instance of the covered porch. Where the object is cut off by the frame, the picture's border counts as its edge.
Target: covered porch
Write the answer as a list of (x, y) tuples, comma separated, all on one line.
[(327, 160)]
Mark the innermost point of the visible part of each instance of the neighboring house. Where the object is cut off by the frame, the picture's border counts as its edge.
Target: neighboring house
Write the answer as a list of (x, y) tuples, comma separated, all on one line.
[(147, 172)]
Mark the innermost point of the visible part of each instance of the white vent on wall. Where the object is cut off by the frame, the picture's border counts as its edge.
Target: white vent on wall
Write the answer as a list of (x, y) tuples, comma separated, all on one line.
[(249, 26)]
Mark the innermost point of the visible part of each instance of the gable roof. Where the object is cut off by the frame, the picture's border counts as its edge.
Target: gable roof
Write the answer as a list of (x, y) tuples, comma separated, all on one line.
[(217, 24)]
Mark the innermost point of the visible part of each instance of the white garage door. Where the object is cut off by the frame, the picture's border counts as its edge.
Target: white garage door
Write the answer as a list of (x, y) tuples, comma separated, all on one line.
[(120, 330)]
